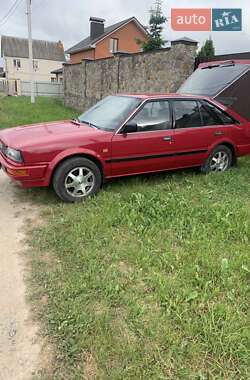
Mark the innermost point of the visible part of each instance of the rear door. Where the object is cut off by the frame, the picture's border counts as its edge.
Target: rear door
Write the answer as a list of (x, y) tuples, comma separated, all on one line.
[(239, 131), (196, 129), (148, 149)]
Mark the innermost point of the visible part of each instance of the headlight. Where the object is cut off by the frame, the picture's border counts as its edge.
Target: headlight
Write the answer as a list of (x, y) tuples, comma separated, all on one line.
[(13, 154)]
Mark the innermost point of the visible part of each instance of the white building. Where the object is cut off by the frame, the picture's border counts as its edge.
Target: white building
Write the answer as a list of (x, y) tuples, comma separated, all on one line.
[(48, 56)]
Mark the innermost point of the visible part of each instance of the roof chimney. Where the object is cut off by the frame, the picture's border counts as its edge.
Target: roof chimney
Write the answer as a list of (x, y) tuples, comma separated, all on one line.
[(60, 44), (96, 27)]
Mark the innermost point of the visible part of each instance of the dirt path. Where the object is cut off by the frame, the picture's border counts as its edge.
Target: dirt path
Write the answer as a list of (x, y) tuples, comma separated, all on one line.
[(19, 348)]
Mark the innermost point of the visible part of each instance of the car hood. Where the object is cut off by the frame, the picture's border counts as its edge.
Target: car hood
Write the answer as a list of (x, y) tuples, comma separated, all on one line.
[(37, 134)]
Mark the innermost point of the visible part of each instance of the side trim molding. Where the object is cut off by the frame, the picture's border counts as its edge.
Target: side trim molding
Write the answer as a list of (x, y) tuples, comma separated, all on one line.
[(149, 157)]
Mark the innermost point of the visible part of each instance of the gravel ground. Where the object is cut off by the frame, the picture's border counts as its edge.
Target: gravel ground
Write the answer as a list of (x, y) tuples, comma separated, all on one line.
[(19, 344)]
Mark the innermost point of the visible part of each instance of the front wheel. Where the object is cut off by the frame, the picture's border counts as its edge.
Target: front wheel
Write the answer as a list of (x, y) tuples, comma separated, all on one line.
[(76, 179), (219, 160)]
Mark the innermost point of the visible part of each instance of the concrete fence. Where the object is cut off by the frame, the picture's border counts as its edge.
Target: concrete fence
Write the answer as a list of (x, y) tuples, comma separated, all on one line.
[(160, 71)]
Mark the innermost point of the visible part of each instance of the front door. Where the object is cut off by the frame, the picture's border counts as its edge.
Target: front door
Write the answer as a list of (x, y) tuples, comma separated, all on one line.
[(148, 149)]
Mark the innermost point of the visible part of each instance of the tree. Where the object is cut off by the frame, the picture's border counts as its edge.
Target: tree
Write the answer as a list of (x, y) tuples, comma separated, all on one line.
[(156, 21), (207, 50)]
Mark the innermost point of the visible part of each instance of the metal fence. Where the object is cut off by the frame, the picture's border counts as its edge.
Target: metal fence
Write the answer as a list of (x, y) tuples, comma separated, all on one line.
[(42, 88), (3, 85), (18, 87)]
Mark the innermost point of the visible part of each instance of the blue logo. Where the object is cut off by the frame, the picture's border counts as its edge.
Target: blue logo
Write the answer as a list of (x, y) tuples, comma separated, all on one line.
[(226, 19)]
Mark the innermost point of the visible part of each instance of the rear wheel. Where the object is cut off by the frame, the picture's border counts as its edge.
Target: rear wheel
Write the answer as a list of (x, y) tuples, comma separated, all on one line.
[(219, 160), (76, 179)]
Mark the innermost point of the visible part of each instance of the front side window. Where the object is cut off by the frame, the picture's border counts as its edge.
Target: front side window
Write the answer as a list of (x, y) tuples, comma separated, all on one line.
[(17, 63), (109, 113), (187, 114), (113, 45), (153, 116)]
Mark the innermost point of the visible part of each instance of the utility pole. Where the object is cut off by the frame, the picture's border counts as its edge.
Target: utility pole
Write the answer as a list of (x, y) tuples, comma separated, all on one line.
[(32, 92)]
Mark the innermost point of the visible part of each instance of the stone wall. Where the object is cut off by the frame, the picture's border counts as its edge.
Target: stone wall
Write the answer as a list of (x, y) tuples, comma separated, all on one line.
[(160, 71)]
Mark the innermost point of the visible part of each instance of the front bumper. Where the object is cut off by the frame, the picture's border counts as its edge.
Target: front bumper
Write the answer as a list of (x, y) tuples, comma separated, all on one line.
[(25, 175)]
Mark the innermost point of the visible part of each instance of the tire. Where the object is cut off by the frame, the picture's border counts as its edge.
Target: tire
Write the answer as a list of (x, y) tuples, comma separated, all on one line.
[(76, 179), (220, 160)]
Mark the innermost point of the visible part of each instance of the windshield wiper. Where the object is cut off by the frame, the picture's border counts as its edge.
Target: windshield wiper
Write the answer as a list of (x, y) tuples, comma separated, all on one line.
[(76, 121), (91, 125), (79, 122)]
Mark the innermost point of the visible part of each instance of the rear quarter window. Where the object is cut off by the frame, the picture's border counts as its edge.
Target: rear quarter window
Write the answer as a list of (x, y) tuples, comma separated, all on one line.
[(219, 114)]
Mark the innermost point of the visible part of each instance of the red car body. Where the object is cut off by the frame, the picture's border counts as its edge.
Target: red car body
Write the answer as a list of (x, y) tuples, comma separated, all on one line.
[(44, 146)]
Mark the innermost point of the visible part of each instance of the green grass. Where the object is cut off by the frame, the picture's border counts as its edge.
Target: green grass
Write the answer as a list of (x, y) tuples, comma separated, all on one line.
[(19, 111), (148, 280)]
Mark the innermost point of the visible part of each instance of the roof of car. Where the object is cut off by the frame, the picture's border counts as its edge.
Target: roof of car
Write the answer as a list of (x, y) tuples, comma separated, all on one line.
[(161, 95), (145, 96)]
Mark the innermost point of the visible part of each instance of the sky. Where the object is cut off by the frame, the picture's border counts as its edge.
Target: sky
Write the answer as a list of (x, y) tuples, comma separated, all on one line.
[(68, 20)]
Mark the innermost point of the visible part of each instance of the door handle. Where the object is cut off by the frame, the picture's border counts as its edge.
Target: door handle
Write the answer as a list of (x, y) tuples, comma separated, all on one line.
[(167, 138), (218, 133)]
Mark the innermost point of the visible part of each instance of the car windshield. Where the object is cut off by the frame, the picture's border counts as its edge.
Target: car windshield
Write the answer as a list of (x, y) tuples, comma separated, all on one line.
[(109, 113), (212, 79)]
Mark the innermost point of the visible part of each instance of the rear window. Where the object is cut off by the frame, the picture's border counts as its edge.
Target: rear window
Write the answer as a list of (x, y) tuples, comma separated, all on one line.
[(210, 81)]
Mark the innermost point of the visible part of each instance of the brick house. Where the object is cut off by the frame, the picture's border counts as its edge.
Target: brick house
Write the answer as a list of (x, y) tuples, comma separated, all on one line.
[(104, 42)]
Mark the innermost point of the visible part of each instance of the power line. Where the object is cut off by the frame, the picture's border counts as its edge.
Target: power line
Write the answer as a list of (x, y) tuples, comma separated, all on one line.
[(10, 12), (7, 14)]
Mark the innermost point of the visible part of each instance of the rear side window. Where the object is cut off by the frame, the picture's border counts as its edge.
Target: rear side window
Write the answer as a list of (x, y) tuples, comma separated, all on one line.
[(221, 116), (187, 114)]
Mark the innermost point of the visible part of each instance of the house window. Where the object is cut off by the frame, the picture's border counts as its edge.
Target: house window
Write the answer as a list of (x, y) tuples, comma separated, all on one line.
[(35, 64), (113, 45), (17, 63)]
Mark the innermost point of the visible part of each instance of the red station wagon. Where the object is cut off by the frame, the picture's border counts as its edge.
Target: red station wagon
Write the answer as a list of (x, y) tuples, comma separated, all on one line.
[(124, 135)]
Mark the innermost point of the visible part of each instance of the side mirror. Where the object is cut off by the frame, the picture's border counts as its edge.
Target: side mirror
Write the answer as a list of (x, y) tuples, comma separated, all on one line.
[(130, 127)]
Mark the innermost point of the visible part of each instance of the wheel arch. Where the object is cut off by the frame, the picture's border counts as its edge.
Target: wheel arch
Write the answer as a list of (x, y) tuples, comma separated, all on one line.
[(232, 148), (87, 155), (229, 144)]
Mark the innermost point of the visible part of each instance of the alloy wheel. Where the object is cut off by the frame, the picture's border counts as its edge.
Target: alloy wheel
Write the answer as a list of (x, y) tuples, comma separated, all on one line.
[(219, 162), (79, 182)]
